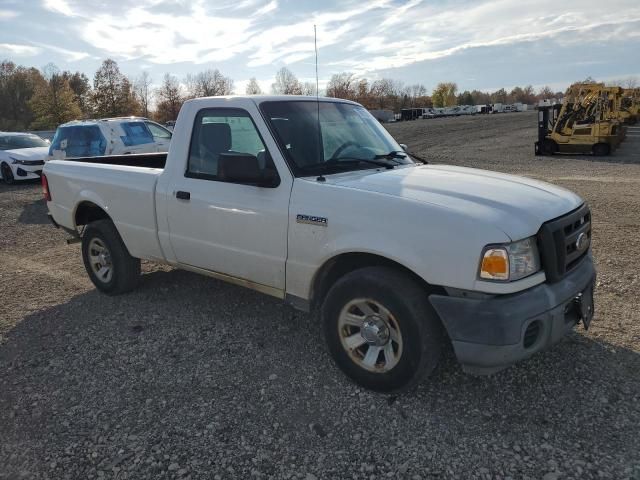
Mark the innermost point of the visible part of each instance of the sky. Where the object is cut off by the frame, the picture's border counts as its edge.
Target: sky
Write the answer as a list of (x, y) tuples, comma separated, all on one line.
[(479, 44)]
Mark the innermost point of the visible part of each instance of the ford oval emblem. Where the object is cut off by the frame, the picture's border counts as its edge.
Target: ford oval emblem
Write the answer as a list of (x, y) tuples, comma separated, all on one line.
[(582, 242)]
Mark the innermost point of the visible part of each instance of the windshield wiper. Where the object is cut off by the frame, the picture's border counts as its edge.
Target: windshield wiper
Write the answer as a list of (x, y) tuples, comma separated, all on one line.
[(392, 154), (351, 160), (347, 162), (401, 154)]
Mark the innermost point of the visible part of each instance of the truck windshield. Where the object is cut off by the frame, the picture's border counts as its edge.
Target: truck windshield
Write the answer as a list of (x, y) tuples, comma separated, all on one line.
[(349, 137)]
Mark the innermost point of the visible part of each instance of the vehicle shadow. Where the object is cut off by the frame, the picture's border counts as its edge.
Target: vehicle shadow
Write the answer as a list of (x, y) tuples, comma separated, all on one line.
[(34, 213), (185, 354)]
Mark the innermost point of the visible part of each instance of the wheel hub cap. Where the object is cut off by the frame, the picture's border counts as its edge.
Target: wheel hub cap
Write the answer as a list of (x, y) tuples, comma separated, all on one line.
[(370, 335), (375, 331)]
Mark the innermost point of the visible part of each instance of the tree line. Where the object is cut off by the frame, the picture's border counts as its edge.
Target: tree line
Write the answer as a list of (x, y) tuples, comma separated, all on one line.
[(43, 99), (394, 95)]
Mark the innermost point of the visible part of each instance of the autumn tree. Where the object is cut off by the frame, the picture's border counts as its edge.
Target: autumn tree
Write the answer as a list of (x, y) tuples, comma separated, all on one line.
[(286, 83), (253, 88), (79, 84), (170, 99), (112, 92), (208, 84), (499, 96), (17, 86), (54, 101), (142, 92), (444, 95)]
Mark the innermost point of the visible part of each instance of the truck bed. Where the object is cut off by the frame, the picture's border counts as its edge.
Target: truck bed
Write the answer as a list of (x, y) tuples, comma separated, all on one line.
[(148, 160), (124, 186)]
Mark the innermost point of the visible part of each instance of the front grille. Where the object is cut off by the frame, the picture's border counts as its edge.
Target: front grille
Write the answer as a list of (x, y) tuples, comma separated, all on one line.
[(558, 242), (32, 162)]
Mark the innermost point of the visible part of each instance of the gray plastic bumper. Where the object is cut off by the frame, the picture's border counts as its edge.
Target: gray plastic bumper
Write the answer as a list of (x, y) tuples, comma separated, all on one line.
[(489, 334)]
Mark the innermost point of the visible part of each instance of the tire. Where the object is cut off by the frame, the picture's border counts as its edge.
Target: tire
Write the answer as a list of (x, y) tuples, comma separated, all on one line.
[(601, 149), (110, 266), (413, 330), (549, 147), (7, 174)]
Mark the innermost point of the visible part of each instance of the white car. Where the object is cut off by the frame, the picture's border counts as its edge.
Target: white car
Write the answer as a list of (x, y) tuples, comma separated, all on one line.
[(108, 136), (22, 156), (312, 201)]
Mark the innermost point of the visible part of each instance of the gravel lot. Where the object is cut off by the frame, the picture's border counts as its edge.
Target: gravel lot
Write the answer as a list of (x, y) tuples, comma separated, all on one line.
[(189, 377)]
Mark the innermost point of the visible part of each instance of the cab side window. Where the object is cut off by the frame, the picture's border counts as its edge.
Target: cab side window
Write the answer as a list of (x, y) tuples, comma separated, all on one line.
[(226, 147)]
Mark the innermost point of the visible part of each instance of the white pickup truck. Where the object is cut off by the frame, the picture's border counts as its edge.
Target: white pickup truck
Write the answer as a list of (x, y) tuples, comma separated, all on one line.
[(315, 203)]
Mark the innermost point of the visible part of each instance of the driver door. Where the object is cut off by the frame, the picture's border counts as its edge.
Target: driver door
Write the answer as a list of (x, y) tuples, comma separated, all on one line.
[(227, 227)]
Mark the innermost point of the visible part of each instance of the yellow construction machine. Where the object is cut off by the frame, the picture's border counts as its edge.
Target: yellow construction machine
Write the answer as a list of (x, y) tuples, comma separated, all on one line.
[(584, 123), (629, 110)]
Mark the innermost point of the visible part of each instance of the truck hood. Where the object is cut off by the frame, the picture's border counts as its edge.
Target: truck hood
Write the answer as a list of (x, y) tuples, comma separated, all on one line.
[(35, 153), (516, 205)]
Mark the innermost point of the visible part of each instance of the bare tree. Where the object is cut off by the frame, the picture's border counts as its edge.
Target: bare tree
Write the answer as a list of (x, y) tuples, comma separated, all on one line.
[(253, 88), (170, 98), (545, 93), (142, 91), (308, 88), (286, 83), (208, 84), (342, 85)]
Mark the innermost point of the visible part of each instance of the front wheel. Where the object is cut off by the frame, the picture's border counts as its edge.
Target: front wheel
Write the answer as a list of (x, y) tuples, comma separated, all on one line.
[(7, 174), (381, 330), (601, 149), (110, 266)]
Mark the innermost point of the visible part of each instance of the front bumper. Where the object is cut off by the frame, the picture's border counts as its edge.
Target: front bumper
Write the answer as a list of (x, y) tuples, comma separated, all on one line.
[(491, 333), (27, 172)]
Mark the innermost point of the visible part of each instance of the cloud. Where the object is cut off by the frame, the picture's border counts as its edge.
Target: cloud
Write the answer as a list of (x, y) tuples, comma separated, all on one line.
[(8, 14), (19, 50), (69, 55), (268, 8), (366, 38), (59, 6)]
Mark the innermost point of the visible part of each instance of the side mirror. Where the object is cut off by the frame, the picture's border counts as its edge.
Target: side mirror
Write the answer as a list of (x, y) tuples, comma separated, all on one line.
[(244, 168), (403, 146)]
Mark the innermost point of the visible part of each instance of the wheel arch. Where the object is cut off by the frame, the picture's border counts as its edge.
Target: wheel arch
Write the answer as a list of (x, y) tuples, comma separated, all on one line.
[(344, 263), (87, 211)]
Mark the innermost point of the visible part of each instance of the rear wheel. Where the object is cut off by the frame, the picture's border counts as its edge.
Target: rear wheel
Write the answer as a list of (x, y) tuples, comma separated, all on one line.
[(7, 174), (601, 149), (381, 330), (110, 266)]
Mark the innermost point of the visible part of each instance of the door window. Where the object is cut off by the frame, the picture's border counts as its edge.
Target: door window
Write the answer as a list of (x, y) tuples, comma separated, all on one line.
[(226, 146), (136, 133), (158, 132)]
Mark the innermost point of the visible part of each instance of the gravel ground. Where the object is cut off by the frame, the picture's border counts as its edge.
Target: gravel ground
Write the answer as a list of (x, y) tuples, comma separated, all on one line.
[(189, 377)]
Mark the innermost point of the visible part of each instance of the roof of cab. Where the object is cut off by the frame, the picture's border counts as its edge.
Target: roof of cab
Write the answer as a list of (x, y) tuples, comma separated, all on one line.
[(258, 99)]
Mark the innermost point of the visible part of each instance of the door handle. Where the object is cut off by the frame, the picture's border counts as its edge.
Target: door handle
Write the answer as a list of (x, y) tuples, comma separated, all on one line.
[(180, 195)]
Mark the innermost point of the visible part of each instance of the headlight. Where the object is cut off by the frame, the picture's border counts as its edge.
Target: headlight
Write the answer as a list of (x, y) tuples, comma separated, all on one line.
[(17, 161), (511, 261)]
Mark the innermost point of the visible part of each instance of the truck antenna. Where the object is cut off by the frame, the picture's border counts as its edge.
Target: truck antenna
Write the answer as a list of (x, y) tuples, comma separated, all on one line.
[(315, 45)]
